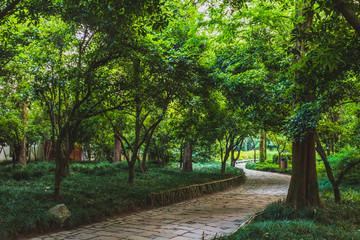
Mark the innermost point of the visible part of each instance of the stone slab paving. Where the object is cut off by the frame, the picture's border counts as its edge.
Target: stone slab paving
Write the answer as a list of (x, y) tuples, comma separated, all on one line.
[(216, 214)]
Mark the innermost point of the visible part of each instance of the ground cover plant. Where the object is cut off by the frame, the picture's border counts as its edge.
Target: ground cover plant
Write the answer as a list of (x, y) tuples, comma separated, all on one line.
[(93, 192), (332, 221)]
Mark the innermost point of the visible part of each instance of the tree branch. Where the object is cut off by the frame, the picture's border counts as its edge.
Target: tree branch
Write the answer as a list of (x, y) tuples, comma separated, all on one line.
[(349, 14)]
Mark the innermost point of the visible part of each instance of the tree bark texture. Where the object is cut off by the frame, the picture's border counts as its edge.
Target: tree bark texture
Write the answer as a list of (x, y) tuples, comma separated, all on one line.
[(117, 150), (187, 167), (303, 189), (263, 146)]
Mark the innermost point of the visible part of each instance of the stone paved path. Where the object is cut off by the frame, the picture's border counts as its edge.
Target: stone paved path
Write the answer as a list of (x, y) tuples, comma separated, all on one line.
[(216, 214)]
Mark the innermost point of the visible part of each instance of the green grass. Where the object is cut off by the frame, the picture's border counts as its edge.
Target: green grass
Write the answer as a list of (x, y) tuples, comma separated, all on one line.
[(93, 192)]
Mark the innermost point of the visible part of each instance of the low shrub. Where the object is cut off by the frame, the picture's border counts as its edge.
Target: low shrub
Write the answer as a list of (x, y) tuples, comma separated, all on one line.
[(268, 166)]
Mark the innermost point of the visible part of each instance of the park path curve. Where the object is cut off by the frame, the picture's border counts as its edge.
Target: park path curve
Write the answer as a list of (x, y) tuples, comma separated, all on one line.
[(215, 214)]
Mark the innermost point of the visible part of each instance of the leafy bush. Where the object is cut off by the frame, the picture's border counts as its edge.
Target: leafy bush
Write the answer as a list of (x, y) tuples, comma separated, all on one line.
[(268, 166), (284, 156)]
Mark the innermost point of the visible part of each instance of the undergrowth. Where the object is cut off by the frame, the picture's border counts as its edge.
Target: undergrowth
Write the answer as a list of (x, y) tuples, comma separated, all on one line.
[(93, 192), (280, 222)]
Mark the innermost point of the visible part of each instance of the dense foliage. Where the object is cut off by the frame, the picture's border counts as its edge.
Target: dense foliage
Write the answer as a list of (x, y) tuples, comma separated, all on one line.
[(153, 82)]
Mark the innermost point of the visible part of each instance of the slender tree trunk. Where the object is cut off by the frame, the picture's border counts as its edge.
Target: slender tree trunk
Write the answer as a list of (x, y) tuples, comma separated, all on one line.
[(117, 150), (263, 146), (232, 157), (223, 162), (254, 149), (59, 170), (181, 160), (279, 157), (22, 154), (146, 149), (187, 157), (142, 170)]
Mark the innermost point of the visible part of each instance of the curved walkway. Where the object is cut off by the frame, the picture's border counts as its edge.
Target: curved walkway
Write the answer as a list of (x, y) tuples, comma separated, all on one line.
[(216, 214)]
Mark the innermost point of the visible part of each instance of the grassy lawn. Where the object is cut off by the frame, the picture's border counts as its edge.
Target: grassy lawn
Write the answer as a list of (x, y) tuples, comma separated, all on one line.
[(93, 192)]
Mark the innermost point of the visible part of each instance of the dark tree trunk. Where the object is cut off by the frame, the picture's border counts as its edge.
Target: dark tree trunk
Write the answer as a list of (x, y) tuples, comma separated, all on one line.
[(303, 189), (117, 150), (223, 167), (181, 156), (187, 158), (132, 166), (263, 146), (60, 170), (131, 172), (223, 162)]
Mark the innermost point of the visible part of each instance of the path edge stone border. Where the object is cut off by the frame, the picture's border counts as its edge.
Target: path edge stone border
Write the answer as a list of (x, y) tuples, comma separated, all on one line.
[(172, 196)]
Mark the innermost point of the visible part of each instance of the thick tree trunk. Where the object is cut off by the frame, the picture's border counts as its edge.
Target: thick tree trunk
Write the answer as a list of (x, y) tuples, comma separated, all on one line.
[(117, 150), (187, 158), (263, 146), (223, 167), (62, 169), (303, 189)]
